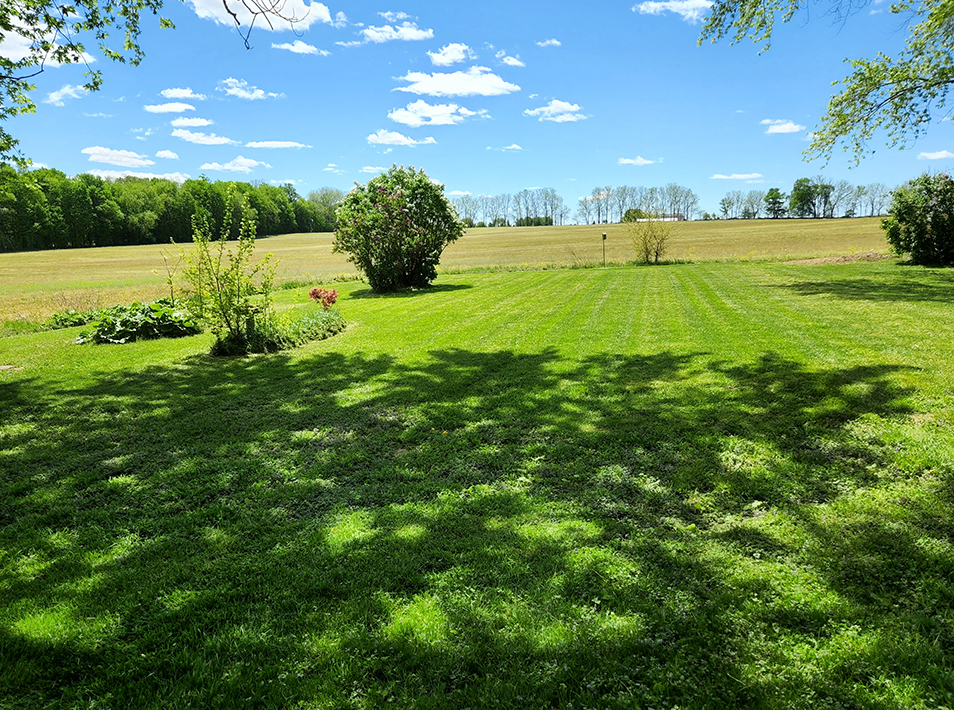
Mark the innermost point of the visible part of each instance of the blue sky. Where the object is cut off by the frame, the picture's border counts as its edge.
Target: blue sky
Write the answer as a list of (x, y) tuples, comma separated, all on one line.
[(487, 97)]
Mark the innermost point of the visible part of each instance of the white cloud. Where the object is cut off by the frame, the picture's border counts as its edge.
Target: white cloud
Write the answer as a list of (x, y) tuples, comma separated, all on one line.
[(383, 137), (550, 43), (451, 54), (276, 144), (940, 155), (513, 146), (420, 113), (98, 115), (781, 125), (239, 165), (638, 160), (186, 93), (116, 174), (169, 108), (287, 182), (302, 16), (394, 16), (201, 138), (299, 47), (123, 158), (556, 111), (459, 193), (737, 176), (408, 32), (476, 81), (241, 89), (332, 168), (372, 169), (191, 122), (67, 92), (509, 61), (690, 10), (167, 154)]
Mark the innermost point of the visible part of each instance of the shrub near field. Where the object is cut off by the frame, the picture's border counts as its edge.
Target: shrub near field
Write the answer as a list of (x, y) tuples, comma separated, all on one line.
[(695, 486)]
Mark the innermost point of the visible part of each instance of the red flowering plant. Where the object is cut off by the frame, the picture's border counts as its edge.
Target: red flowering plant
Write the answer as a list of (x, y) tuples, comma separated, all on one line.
[(325, 296)]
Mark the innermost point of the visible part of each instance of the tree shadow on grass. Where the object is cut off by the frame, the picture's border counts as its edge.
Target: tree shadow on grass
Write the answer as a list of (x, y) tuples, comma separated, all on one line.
[(930, 285), (409, 293), (475, 529)]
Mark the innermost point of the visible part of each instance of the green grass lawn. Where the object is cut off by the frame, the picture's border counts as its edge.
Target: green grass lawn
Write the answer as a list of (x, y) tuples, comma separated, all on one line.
[(709, 485)]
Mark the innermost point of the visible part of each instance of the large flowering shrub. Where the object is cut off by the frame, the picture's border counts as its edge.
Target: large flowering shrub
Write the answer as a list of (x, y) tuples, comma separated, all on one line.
[(395, 228)]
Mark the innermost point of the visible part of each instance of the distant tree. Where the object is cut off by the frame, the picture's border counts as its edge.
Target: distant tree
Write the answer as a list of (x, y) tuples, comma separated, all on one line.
[(754, 203), (326, 200), (395, 228), (801, 201), (725, 206), (921, 221), (775, 203), (635, 214), (584, 211), (876, 197)]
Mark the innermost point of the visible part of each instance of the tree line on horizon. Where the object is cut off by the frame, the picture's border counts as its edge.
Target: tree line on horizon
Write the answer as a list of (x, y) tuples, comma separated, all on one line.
[(44, 209), (814, 198), (604, 205)]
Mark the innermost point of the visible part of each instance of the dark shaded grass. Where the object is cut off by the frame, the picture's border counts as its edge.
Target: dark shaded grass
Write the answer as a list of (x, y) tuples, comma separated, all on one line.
[(469, 533)]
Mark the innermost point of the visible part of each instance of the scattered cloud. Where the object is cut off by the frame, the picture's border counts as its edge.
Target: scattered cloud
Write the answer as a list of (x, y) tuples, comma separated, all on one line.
[(420, 113), (287, 182), (550, 43), (638, 160), (557, 111), (169, 108), (116, 174), (407, 32), (383, 137), (241, 89), (737, 176), (508, 60), (299, 47), (123, 158), (476, 81), (276, 144), (395, 16), (372, 169), (183, 122), (781, 125), (689, 10), (513, 146), (332, 168), (186, 93), (451, 54), (202, 138), (459, 193), (238, 165), (67, 92), (939, 155), (167, 154), (98, 115), (300, 16)]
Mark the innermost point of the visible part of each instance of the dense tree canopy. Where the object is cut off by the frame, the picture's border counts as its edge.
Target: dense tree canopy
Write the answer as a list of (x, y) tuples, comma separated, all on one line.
[(898, 95), (45, 209)]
